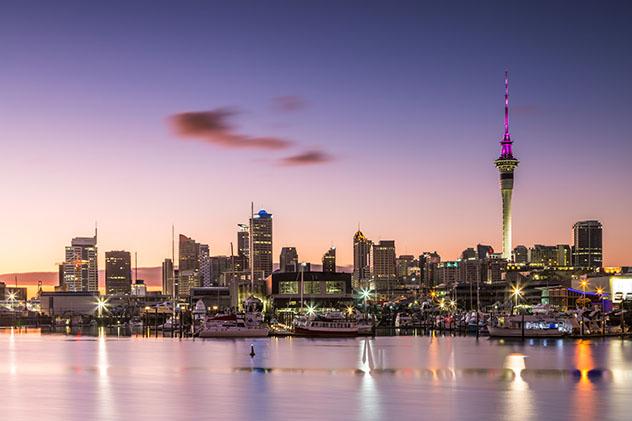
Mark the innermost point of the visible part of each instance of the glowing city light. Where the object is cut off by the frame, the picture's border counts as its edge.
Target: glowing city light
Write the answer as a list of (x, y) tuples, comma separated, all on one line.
[(102, 304), (310, 309)]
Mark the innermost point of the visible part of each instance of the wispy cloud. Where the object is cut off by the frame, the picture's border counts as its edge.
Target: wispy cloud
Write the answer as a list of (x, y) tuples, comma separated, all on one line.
[(289, 103), (307, 158), (214, 127)]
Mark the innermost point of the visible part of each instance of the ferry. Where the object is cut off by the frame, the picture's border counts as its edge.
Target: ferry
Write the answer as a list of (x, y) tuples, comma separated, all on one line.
[(332, 324), (535, 326)]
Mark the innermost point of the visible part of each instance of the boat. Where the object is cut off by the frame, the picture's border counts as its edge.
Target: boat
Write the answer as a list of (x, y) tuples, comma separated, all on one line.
[(232, 326), (403, 321), (530, 326), (332, 324), (238, 325)]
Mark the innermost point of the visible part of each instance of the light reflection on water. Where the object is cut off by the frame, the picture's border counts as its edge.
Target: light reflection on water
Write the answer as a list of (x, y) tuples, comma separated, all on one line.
[(79, 377)]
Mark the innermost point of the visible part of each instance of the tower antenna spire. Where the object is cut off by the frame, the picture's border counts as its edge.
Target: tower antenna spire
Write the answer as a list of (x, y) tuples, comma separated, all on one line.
[(506, 104)]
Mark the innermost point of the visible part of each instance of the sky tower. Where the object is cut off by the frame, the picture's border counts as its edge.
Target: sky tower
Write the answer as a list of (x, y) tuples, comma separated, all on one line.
[(506, 164)]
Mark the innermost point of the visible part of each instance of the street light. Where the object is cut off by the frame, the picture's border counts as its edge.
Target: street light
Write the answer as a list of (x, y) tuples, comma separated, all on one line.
[(600, 292), (101, 305), (516, 292), (584, 284), (311, 309)]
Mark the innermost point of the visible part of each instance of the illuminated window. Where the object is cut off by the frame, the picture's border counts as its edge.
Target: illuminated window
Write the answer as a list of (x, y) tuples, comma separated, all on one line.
[(334, 287), (288, 287)]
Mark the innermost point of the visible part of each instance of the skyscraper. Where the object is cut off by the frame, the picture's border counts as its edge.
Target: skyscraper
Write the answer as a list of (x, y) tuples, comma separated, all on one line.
[(80, 265), (361, 260), (204, 265), (261, 234), (588, 248), (188, 265), (329, 260), (506, 164), (288, 260), (243, 243), (167, 277), (118, 272), (383, 259), (521, 254)]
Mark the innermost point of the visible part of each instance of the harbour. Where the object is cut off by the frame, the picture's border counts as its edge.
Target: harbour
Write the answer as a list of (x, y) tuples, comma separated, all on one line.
[(407, 377)]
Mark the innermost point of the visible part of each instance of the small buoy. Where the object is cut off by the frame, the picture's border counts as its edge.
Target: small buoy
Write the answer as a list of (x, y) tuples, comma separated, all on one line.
[(252, 350)]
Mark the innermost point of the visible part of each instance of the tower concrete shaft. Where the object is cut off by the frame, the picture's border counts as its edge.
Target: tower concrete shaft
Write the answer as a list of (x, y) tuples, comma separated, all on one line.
[(506, 164)]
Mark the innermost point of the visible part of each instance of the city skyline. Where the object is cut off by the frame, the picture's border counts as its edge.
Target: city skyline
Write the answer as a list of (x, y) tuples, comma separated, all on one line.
[(414, 165)]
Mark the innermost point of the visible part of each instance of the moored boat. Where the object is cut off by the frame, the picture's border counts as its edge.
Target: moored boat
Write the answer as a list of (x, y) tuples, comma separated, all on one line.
[(332, 324), (529, 326)]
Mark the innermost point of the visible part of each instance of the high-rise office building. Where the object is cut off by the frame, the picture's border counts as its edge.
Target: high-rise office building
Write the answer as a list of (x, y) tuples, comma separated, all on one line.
[(261, 234), (188, 265), (428, 262), (484, 251), (588, 247), (361, 260), (288, 260), (404, 264), (118, 272), (243, 243), (383, 259), (469, 254), (168, 277), (329, 260), (506, 164), (204, 265), (564, 256), (81, 272)]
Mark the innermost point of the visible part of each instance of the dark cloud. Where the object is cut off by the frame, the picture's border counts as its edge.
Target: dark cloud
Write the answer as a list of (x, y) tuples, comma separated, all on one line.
[(289, 103), (307, 158), (213, 127)]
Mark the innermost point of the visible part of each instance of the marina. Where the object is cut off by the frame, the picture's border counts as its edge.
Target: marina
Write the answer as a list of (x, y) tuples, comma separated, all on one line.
[(403, 377)]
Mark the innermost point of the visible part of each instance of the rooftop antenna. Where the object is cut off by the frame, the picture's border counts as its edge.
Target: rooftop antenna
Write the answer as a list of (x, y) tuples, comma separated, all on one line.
[(95, 231), (251, 248), (507, 136)]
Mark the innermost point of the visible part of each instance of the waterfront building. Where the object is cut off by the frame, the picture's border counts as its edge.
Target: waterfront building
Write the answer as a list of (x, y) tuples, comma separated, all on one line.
[(118, 272), (139, 289), (521, 255), (320, 290), (261, 233), (506, 164), (588, 247), (361, 260), (69, 303), (384, 265), (168, 277), (215, 298), (329, 260), (288, 260), (81, 265)]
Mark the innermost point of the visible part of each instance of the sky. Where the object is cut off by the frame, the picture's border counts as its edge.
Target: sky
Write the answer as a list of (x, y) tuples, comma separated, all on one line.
[(328, 114)]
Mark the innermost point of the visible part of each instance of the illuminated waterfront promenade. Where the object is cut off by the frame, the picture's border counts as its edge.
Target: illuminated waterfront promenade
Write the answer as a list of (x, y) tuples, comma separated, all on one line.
[(400, 377)]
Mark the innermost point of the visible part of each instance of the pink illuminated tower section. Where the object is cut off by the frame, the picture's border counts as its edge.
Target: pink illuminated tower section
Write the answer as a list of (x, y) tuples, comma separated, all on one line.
[(506, 164)]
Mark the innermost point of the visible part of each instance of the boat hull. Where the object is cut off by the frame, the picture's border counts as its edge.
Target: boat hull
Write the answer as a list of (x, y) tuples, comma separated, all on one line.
[(324, 333), (235, 333), (499, 332)]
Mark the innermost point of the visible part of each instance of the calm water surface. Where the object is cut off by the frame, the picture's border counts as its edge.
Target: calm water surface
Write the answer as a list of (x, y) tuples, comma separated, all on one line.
[(59, 377)]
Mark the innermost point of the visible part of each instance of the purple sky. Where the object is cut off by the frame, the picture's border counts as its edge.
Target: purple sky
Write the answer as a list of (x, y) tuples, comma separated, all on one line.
[(390, 113)]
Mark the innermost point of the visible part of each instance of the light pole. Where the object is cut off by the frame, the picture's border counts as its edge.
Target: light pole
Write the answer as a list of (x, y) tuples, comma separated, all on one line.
[(584, 284), (516, 292)]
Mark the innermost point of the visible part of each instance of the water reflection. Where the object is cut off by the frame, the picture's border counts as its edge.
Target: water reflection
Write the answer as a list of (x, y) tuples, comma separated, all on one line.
[(366, 378), (519, 401)]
